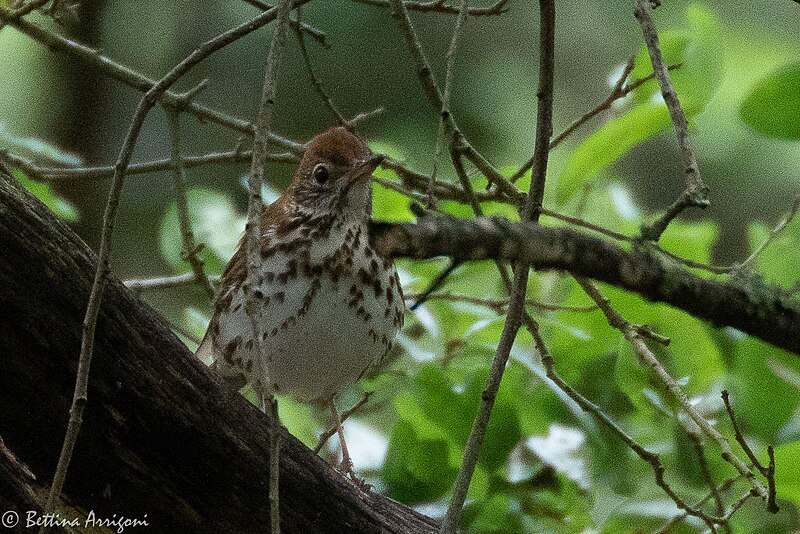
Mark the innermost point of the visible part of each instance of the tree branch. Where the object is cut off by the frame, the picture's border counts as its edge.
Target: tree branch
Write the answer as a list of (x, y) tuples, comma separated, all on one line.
[(763, 311)]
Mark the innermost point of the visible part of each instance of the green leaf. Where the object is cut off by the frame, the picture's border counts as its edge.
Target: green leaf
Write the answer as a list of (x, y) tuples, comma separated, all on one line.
[(764, 402), (215, 223), (773, 106), (389, 205), (416, 469), (608, 144), (38, 147), (60, 206), (787, 476)]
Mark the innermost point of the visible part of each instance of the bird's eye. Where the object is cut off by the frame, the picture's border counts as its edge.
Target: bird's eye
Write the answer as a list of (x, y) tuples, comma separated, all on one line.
[(321, 173)]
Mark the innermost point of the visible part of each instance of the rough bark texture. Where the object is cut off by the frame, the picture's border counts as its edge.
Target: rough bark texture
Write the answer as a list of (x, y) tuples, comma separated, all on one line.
[(159, 436), (744, 301)]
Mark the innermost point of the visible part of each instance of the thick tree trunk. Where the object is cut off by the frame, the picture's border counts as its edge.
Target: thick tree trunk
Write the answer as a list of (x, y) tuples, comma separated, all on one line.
[(160, 440)]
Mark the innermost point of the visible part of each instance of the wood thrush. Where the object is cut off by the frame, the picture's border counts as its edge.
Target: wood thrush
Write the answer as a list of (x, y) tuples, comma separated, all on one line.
[(332, 304)]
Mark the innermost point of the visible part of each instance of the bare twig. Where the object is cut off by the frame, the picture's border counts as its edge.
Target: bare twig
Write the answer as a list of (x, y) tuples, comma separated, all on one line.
[(190, 249), (103, 263), (445, 109), (775, 232), (325, 436), (516, 307), (22, 10), (705, 472), (649, 359), (164, 282), (253, 297), (297, 24), (585, 224), (499, 305), (436, 6), (315, 81), (435, 98), (767, 472), (144, 84), (695, 192), (722, 488), (189, 162)]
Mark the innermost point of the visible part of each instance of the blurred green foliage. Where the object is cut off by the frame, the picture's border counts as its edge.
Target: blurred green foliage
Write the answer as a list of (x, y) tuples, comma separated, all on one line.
[(546, 466)]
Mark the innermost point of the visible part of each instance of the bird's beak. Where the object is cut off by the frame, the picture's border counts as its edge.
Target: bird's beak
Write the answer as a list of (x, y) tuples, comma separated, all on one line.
[(366, 167)]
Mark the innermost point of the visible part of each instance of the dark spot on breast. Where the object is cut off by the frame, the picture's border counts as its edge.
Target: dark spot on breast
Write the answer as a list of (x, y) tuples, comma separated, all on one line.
[(279, 297), (287, 226), (389, 295), (230, 349), (377, 287), (373, 266), (269, 277)]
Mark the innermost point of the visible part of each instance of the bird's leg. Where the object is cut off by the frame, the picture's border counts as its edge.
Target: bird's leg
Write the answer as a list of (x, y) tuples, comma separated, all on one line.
[(347, 463)]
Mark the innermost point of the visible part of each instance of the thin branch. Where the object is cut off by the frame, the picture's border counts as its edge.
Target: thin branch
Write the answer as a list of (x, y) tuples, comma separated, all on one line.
[(435, 98), (189, 162), (766, 472), (315, 81), (705, 472), (695, 192), (654, 459), (144, 84), (516, 306), (190, 249), (499, 305), (103, 263), (444, 112), (297, 24), (164, 282), (722, 488), (619, 91), (775, 232), (649, 359), (585, 224), (22, 10), (253, 296), (436, 6), (325, 436)]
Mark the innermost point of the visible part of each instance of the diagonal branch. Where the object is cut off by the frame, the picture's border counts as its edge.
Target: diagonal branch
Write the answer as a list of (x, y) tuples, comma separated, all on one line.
[(190, 249), (516, 306), (695, 192)]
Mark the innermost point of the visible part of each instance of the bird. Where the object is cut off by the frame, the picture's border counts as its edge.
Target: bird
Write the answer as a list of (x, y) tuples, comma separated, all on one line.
[(331, 304)]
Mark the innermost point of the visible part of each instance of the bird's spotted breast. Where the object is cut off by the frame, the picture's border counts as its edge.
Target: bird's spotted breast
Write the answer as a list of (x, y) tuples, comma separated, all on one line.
[(332, 308)]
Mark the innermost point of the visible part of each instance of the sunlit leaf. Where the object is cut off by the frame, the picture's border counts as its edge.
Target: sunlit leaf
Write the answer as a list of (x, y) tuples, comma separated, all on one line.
[(57, 204), (37, 147)]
